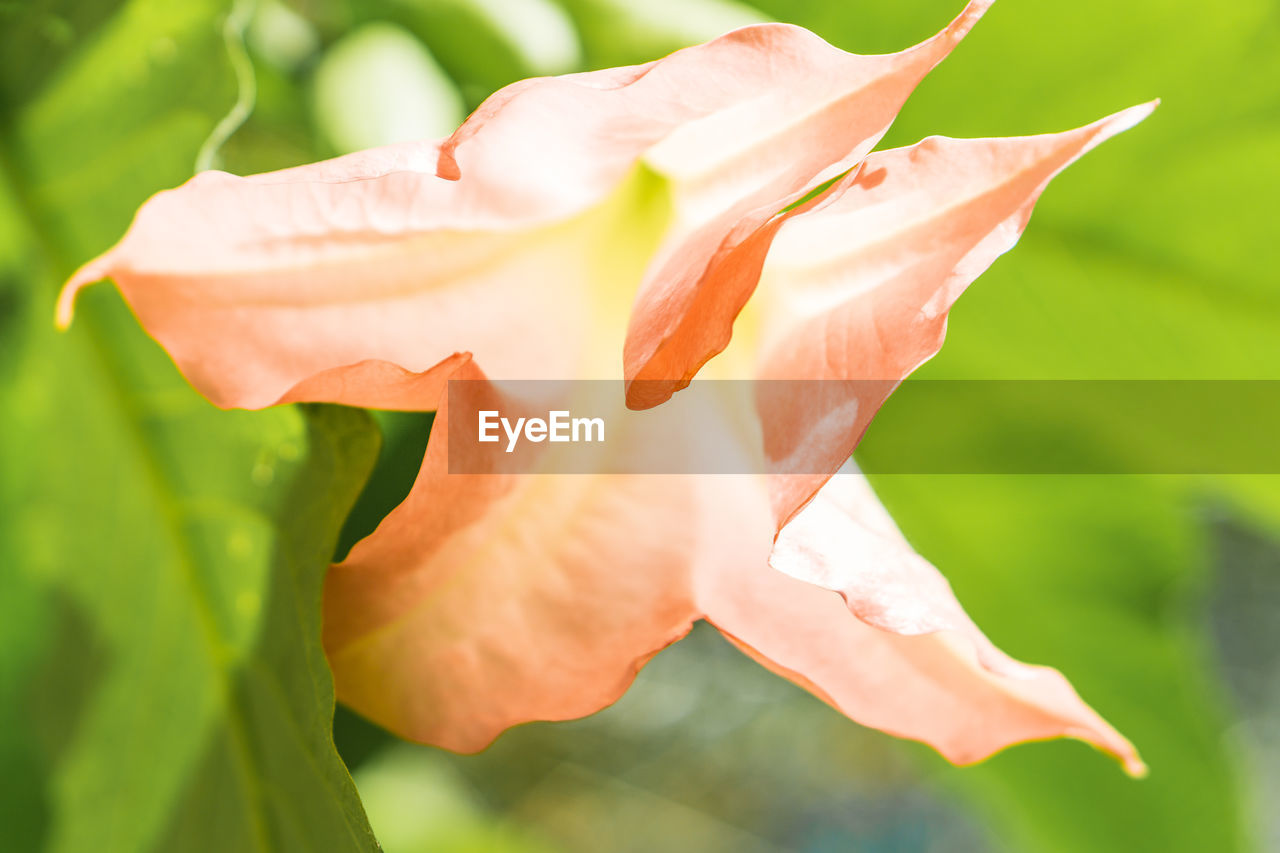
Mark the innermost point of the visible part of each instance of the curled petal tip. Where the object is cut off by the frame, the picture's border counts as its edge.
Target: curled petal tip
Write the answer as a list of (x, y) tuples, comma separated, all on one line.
[(1135, 767), (447, 167), (95, 270)]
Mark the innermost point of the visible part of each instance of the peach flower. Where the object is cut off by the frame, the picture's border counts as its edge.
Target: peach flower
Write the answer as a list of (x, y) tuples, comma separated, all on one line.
[(644, 225)]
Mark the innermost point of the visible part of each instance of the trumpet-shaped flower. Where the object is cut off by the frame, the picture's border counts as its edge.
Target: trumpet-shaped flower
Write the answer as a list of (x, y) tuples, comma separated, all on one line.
[(644, 225)]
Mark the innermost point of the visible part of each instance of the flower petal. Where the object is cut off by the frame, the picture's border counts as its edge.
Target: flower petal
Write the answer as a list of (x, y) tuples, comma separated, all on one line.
[(409, 254), (272, 288), (859, 288), (485, 601), (816, 113), (911, 663), (488, 600)]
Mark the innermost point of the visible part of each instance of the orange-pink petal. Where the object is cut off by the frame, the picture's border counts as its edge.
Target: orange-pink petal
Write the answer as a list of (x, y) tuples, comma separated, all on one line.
[(408, 254), (911, 663), (736, 170), (859, 287), (487, 600)]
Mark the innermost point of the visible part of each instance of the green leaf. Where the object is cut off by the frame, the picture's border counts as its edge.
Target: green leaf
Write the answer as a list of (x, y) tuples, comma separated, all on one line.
[(162, 681), (422, 805)]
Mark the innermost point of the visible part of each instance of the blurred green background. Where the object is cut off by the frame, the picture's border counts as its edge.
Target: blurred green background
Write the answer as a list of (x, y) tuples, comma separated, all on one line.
[(161, 684)]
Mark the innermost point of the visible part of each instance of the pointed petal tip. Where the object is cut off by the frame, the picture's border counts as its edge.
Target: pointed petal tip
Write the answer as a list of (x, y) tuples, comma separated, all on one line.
[(1127, 754), (970, 15), (1125, 119), (975, 9), (1102, 736), (938, 46), (1113, 125), (1108, 742)]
